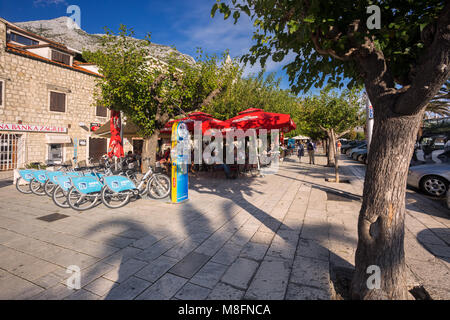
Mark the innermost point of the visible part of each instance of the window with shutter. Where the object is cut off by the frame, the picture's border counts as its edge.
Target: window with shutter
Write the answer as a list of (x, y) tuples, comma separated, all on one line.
[(57, 101), (101, 111), (60, 57)]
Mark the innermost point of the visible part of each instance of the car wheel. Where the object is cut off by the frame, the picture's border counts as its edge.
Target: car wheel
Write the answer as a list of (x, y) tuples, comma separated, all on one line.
[(434, 185)]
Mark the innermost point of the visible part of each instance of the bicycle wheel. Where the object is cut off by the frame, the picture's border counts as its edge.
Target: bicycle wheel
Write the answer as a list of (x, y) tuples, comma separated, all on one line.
[(59, 197), (49, 187), (159, 186), (36, 187), (79, 201), (113, 199), (23, 186)]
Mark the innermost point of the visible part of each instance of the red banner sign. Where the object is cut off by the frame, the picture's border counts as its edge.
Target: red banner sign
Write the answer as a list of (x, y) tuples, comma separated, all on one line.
[(31, 128), (115, 144)]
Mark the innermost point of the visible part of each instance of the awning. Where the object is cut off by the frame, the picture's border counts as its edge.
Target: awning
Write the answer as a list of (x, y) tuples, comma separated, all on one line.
[(255, 118), (129, 130), (53, 138)]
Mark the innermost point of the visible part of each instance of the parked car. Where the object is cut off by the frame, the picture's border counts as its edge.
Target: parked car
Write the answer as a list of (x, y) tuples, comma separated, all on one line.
[(448, 198), (359, 152), (351, 145), (433, 179), (362, 156), (357, 149)]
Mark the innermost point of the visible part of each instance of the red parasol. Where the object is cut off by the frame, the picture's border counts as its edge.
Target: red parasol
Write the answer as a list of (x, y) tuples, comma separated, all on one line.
[(255, 118), (208, 122)]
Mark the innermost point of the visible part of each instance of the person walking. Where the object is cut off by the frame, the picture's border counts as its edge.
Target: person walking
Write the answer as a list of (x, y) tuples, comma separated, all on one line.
[(311, 149), (300, 152)]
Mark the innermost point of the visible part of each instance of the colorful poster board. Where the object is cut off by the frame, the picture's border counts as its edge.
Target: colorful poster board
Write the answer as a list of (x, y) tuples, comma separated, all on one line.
[(179, 157)]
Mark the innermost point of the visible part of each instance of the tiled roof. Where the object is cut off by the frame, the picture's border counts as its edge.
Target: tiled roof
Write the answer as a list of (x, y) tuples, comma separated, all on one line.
[(18, 50)]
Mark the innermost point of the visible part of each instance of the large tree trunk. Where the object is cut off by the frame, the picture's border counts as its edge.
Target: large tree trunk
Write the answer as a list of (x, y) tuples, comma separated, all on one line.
[(331, 147), (382, 215), (149, 151)]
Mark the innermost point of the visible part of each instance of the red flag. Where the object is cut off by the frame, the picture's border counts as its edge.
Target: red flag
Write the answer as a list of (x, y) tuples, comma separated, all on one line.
[(115, 144)]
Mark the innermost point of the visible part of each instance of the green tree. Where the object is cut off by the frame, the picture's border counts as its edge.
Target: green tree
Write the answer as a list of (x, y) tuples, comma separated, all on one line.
[(149, 91), (255, 91), (333, 115), (403, 61)]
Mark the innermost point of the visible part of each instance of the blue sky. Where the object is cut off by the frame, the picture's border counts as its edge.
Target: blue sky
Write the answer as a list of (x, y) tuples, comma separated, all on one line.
[(184, 24)]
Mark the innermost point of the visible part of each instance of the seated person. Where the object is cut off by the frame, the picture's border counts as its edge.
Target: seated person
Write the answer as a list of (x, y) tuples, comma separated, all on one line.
[(166, 160)]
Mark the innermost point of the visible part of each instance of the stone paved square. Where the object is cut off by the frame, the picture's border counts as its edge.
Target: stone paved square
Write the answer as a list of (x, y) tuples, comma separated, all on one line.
[(272, 237)]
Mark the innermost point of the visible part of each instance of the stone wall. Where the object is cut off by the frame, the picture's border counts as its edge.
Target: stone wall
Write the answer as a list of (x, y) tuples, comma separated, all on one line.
[(27, 84)]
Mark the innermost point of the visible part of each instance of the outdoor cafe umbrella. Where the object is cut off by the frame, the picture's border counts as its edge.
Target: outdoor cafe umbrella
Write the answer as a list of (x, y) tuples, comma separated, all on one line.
[(255, 118), (207, 122)]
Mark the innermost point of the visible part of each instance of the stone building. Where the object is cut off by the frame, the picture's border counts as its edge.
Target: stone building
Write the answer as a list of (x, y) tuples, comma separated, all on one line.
[(47, 106)]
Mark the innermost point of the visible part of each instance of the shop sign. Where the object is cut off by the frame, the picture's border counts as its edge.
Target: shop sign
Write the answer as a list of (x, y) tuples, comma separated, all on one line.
[(95, 126), (31, 128)]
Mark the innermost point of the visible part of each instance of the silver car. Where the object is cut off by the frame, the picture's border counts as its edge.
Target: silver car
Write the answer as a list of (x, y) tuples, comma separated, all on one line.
[(433, 179)]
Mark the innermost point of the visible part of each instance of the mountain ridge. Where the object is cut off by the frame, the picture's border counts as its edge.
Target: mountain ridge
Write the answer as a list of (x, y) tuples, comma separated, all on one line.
[(76, 38)]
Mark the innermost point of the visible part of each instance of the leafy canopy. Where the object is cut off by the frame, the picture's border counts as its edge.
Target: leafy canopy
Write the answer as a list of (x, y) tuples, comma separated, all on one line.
[(330, 110), (326, 36), (150, 91)]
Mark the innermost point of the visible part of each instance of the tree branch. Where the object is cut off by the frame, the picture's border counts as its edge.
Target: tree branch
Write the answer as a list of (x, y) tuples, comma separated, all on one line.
[(343, 133), (210, 97), (331, 52), (433, 68)]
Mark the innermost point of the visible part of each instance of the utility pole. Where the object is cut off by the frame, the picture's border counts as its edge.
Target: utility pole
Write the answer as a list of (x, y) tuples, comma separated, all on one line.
[(369, 121)]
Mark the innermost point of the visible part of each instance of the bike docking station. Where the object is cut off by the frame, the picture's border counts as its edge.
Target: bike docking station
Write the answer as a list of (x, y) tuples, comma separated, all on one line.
[(180, 152)]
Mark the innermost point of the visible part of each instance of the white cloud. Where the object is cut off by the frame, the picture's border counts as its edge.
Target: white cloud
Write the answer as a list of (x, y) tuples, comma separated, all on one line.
[(216, 35), (48, 2)]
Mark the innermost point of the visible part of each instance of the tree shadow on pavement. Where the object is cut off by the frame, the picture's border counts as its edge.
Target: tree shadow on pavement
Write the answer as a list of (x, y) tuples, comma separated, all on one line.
[(436, 241)]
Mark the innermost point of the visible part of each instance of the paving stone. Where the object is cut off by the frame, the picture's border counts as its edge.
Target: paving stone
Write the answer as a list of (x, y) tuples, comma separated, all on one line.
[(209, 275), (34, 270), (283, 245), (228, 254), (125, 270), (128, 290), (254, 251), (155, 250), (155, 269), (57, 292), (122, 256), (240, 273), (100, 286), (192, 292), (297, 292), (262, 237), (146, 242), (223, 291), (165, 288), (82, 295), (312, 249), (270, 281), (93, 272), (181, 250), (13, 288), (310, 272), (189, 265)]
